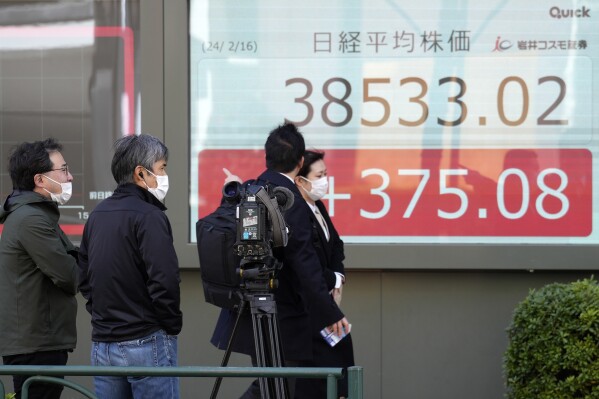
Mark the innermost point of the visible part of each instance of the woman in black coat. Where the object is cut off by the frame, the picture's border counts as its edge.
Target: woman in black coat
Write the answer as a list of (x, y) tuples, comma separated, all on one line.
[(312, 183)]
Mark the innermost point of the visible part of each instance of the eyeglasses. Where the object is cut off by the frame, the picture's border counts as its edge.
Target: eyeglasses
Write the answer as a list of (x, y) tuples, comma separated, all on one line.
[(64, 169)]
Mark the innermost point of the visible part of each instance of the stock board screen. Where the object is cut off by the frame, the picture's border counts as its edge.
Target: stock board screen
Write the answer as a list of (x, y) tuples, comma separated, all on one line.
[(440, 123)]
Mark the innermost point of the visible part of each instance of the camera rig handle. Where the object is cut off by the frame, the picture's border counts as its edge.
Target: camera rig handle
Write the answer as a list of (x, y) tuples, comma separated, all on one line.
[(278, 223)]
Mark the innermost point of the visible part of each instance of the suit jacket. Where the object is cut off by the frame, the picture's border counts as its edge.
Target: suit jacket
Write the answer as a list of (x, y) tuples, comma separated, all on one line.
[(331, 255), (301, 283)]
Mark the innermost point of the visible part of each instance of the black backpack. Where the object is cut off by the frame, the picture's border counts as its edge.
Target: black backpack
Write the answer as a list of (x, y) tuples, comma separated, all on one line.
[(216, 238), (216, 235)]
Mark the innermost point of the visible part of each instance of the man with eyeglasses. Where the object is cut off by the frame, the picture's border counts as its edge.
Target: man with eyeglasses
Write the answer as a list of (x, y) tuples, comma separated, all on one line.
[(38, 265)]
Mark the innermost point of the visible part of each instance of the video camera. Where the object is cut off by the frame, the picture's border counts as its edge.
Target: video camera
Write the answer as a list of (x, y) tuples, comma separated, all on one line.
[(260, 227)]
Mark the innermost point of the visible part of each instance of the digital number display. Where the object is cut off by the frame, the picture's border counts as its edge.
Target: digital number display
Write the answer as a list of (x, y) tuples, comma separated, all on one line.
[(456, 126), (419, 100), (488, 102), (531, 193)]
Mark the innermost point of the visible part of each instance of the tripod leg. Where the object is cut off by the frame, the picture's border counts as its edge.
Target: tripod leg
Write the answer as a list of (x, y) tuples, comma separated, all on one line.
[(260, 352), (268, 350), (280, 387), (227, 354)]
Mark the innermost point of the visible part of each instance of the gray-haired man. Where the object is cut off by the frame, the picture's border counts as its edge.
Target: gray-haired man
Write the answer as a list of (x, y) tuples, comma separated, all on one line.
[(129, 274)]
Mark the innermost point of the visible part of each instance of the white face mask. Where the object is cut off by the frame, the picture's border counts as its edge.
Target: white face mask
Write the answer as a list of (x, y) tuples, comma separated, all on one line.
[(162, 186), (319, 188), (65, 195)]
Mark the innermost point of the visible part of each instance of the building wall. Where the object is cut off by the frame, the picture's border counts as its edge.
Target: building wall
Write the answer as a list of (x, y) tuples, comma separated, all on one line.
[(418, 335)]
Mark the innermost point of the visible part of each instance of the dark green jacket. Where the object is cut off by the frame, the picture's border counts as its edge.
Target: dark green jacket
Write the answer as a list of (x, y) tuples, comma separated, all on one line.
[(38, 277)]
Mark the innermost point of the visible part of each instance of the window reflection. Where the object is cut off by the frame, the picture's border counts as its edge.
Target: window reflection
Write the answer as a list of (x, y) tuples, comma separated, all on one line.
[(68, 70)]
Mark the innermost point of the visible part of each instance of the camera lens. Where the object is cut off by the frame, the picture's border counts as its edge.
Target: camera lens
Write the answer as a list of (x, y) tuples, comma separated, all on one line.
[(231, 191)]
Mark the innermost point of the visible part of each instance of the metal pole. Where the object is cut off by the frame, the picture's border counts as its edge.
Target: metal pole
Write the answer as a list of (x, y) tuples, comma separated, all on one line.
[(355, 376), (54, 380), (331, 387)]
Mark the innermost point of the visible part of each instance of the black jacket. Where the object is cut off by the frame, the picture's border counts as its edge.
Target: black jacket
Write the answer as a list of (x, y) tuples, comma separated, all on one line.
[(331, 255), (128, 268), (301, 283)]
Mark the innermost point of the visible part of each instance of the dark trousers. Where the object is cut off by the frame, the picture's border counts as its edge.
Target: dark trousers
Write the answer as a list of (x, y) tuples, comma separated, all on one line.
[(37, 390), (253, 391)]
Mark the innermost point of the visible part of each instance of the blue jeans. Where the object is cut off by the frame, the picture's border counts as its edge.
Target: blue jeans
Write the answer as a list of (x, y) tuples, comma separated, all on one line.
[(157, 350)]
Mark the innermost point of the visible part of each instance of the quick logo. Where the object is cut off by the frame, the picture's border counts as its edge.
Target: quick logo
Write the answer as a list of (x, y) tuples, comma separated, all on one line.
[(559, 13)]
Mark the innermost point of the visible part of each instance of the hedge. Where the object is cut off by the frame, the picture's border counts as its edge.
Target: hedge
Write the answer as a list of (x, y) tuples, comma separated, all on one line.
[(553, 350)]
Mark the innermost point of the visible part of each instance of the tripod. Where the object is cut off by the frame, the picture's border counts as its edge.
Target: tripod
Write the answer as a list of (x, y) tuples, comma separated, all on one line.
[(266, 341)]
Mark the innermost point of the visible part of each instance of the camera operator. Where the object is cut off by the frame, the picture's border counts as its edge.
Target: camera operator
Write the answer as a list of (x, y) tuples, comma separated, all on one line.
[(301, 281)]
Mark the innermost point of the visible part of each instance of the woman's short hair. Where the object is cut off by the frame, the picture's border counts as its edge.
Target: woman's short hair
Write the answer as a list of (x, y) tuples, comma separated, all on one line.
[(310, 156)]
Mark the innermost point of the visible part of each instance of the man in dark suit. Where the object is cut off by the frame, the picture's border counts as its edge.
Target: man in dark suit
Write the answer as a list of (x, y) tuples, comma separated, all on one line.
[(301, 282)]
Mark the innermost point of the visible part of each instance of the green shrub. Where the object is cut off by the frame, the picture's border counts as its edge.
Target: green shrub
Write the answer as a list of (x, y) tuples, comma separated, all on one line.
[(553, 350)]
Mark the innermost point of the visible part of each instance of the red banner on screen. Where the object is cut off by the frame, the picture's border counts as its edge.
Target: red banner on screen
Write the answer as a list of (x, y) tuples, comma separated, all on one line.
[(415, 192)]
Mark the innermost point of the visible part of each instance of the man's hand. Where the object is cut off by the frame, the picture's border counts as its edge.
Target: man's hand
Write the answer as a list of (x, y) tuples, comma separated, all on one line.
[(339, 327), (230, 177)]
